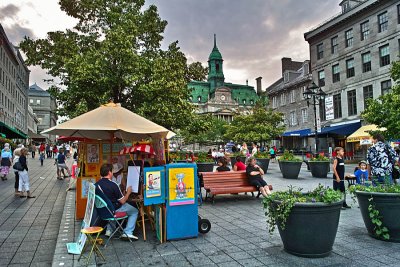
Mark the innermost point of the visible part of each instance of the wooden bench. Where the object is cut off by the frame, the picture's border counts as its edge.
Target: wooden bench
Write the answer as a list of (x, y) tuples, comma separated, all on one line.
[(230, 182)]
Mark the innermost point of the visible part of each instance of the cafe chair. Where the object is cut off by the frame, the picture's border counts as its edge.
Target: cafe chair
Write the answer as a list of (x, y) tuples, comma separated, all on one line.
[(106, 212)]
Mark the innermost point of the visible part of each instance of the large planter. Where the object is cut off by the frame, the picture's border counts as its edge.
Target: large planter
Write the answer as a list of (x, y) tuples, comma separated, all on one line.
[(263, 163), (290, 169), (319, 169), (310, 229), (205, 166), (388, 205)]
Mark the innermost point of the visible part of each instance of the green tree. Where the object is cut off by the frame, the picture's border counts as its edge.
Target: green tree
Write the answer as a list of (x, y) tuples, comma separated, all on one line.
[(114, 53), (204, 130), (384, 111), (196, 72), (262, 124)]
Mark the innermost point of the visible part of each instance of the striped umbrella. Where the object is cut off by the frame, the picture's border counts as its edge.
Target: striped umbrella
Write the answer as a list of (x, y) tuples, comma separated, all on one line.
[(145, 149)]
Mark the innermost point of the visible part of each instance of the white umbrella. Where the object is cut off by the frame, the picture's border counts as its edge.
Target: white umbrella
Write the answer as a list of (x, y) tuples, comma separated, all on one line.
[(108, 121)]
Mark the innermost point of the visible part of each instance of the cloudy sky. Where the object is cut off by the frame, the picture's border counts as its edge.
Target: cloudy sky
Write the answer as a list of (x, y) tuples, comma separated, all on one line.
[(252, 35)]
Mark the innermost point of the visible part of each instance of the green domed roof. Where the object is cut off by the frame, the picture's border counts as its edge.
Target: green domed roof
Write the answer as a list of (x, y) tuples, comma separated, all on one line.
[(215, 54)]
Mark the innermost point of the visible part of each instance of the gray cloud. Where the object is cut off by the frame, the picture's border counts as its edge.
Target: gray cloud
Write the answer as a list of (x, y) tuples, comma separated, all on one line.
[(252, 35), (16, 33), (9, 10)]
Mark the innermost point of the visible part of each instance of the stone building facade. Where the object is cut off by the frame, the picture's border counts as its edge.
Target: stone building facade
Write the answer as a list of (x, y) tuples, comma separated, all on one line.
[(286, 96), (45, 107), (219, 98), (14, 86), (351, 56)]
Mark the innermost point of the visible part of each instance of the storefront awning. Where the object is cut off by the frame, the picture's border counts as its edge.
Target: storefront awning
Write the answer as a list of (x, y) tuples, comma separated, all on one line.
[(362, 133), (10, 132), (343, 129), (303, 132), (33, 135)]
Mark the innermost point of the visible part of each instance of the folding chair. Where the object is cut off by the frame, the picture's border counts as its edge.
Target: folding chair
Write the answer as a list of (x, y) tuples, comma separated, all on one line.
[(106, 211)]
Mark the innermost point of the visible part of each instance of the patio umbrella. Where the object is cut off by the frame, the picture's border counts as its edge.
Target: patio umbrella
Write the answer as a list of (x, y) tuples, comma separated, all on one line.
[(143, 148), (109, 121)]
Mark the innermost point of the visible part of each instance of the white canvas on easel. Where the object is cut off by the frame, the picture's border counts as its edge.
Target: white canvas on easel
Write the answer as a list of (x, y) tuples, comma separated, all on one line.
[(133, 178)]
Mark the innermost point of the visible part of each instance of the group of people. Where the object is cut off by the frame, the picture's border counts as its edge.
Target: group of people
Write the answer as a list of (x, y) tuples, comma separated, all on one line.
[(17, 161), (379, 168), (253, 171)]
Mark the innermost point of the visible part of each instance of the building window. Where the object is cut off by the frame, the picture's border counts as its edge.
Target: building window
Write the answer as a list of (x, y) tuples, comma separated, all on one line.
[(321, 78), (350, 68), (304, 115), (30, 101), (364, 28), (386, 86), (322, 111), (335, 73), (37, 101), (398, 14), (349, 38), (337, 106), (352, 102), (382, 22), (251, 102), (384, 55), (320, 51), (199, 99), (334, 45), (283, 99), (368, 94), (244, 101), (286, 77), (274, 102), (366, 62), (292, 96), (293, 119)]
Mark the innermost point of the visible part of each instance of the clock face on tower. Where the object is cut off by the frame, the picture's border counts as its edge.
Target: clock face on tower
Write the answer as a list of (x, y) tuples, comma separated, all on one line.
[(222, 97)]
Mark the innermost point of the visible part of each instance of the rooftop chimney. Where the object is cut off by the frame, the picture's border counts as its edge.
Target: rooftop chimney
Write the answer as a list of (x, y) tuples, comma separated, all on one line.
[(259, 88)]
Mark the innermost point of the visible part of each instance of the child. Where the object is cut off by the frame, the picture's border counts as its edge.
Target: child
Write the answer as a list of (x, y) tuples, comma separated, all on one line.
[(361, 173), (338, 174), (41, 158)]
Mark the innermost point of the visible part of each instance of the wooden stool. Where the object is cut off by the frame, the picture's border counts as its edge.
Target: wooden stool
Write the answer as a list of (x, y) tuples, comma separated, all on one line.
[(90, 232)]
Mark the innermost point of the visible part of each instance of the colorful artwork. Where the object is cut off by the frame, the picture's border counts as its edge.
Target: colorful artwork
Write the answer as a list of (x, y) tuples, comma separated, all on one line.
[(181, 186), (86, 181), (153, 184), (92, 153), (92, 169), (116, 147)]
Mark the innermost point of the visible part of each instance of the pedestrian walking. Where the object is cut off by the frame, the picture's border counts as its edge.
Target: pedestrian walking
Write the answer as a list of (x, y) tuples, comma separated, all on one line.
[(41, 158), (55, 151), (61, 165), (338, 174), (23, 175), (48, 149), (33, 150), (17, 154), (6, 158)]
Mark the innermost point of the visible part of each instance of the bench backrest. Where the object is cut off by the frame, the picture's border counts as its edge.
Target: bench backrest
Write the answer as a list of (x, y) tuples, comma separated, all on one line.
[(231, 178)]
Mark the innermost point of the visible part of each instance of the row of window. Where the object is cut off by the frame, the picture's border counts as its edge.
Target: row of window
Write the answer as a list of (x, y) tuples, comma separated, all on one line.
[(293, 121), (37, 102), (352, 108), (199, 99), (7, 63), (384, 60), (382, 26)]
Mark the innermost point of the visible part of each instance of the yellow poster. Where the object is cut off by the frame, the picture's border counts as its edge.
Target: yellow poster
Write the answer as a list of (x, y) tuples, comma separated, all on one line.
[(181, 186)]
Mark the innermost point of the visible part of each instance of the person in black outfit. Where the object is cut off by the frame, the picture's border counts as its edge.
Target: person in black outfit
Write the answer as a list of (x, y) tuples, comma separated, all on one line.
[(254, 174), (338, 174), (222, 165)]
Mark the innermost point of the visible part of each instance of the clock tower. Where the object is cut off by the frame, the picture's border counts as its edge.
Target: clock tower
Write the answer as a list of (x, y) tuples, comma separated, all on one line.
[(215, 72)]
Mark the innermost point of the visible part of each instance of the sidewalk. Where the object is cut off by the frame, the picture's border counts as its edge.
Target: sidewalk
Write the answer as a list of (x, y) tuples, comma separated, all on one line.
[(29, 227), (239, 237)]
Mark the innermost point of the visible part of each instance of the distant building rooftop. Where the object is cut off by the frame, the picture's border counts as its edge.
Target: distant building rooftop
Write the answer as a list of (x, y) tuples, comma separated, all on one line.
[(36, 90)]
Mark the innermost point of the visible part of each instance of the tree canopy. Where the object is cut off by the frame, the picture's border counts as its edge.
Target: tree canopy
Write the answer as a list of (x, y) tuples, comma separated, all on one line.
[(384, 111), (205, 129), (262, 124), (114, 53)]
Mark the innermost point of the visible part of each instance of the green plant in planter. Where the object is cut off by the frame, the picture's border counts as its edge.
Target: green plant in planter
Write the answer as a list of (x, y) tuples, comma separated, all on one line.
[(319, 157), (262, 155), (203, 157), (287, 200), (380, 230), (287, 156)]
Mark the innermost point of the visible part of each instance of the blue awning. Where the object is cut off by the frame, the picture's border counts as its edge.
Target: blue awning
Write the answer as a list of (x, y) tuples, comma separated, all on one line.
[(304, 132), (344, 129)]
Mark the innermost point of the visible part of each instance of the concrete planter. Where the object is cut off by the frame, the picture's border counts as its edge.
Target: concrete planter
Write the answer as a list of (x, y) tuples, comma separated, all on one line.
[(205, 167), (263, 163), (319, 169), (388, 205), (310, 229), (290, 169)]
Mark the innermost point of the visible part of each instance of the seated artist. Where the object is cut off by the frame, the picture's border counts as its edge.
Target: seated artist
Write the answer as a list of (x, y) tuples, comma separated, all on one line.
[(113, 192), (254, 174)]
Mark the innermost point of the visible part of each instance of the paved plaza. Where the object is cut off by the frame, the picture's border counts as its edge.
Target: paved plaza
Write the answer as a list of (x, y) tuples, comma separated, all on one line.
[(33, 232)]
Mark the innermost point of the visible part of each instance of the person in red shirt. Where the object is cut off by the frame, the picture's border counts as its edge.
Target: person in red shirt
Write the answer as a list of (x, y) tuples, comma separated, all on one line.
[(239, 165), (42, 148)]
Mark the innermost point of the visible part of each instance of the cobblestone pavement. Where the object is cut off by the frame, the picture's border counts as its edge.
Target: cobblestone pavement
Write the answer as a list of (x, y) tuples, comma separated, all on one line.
[(238, 237), (29, 227)]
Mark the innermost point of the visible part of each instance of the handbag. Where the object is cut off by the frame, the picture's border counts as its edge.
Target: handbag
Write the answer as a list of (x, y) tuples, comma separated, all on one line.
[(18, 166)]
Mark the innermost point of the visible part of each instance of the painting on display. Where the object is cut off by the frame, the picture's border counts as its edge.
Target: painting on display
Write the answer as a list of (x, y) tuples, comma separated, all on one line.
[(181, 186), (86, 181), (93, 155), (153, 184)]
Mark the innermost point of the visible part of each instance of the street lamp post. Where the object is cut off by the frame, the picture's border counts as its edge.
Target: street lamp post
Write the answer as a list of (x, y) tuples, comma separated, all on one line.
[(315, 95)]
